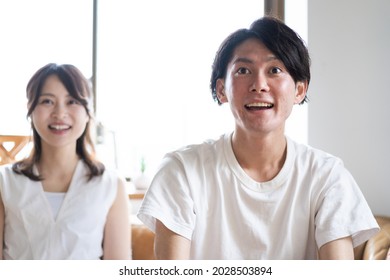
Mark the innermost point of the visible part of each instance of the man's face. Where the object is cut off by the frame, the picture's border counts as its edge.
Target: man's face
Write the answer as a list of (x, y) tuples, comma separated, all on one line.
[(259, 89)]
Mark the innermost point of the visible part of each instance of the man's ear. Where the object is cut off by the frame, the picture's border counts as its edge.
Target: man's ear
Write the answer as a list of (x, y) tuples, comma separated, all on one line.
[(220, 90), (300, 91)]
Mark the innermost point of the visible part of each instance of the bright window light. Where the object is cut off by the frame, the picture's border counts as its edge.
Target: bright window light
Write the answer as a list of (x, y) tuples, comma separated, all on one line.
[(154, 66), (34, 33)]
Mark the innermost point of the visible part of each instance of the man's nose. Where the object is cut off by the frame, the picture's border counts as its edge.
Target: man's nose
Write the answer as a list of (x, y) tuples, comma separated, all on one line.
[(260, 83)]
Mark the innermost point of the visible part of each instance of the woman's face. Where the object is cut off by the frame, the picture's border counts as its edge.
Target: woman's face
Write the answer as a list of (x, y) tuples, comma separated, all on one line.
[(259, 89), (58, 118)]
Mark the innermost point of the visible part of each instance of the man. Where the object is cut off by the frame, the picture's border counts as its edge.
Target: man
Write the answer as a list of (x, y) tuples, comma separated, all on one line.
[(255, 193)]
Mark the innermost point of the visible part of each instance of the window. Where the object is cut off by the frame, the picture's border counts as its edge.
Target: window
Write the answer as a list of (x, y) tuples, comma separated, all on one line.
[(154, 63), (33, 34), (154, 66)]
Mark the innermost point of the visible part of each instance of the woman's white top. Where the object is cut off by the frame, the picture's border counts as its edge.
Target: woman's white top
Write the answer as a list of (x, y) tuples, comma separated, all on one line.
[(55, 200), (33, 231)]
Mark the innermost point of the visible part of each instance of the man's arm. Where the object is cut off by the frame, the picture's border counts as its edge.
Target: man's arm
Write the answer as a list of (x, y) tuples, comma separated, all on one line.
[(169, 245), (340, 249)]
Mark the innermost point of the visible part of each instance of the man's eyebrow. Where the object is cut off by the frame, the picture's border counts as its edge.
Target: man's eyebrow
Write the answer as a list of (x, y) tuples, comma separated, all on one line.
[(272, 57), (242, 59), (248, 60)]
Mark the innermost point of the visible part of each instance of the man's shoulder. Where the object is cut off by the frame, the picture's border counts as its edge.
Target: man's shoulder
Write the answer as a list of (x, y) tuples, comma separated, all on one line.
[(306, 152), (207, 147)]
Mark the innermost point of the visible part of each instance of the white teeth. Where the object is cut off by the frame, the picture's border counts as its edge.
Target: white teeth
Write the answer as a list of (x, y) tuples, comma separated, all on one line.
[(260, 104), (59, 127)]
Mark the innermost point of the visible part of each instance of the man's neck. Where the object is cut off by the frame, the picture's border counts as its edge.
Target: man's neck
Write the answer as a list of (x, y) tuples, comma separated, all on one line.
[(260, 156)]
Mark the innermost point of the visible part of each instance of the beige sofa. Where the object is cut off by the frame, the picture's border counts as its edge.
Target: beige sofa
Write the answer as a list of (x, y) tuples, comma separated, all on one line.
[(375, 248)]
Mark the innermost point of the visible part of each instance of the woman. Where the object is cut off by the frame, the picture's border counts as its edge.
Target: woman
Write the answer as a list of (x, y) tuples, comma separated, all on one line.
[(60, 202)]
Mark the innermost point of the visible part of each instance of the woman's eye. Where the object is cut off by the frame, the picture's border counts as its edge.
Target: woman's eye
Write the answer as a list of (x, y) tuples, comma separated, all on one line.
[(242, 70), (46, 101)]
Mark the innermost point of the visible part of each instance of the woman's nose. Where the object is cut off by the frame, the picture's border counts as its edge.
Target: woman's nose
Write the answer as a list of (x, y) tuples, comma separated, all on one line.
[(59, 111)]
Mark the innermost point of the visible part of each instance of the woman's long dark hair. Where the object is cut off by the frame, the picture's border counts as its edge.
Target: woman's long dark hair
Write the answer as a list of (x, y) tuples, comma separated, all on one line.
[(78, 87)]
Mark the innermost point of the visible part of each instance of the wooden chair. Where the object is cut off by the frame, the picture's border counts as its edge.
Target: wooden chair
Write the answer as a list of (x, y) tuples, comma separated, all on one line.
[(11, 146)]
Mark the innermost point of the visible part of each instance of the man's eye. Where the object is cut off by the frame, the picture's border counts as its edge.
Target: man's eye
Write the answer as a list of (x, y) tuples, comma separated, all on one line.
[(73, 102), (242, 70), (275, 70)]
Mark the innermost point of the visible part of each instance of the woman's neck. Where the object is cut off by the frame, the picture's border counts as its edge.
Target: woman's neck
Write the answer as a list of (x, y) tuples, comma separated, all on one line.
[(57, 166), (54, 157)]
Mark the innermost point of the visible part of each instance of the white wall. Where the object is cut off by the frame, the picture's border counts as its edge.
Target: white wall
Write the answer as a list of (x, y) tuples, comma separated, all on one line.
[(349, 113)]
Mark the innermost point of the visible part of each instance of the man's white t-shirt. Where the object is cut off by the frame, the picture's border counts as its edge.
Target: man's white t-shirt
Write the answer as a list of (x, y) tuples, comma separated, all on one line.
[(202, 193)]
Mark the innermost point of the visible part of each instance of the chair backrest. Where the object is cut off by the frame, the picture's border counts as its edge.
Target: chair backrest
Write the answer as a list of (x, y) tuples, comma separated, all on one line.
[(11, 146)]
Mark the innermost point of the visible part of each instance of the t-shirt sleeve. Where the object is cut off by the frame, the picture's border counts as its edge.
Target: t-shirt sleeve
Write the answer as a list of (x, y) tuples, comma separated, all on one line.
[(168, 199), (343, 210)]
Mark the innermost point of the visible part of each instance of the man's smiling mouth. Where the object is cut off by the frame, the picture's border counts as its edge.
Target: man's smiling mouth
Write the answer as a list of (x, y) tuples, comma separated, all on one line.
[(259, 106)]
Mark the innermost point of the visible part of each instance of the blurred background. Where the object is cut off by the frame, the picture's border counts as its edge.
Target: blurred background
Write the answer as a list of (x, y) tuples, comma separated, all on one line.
[(150, 63)]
